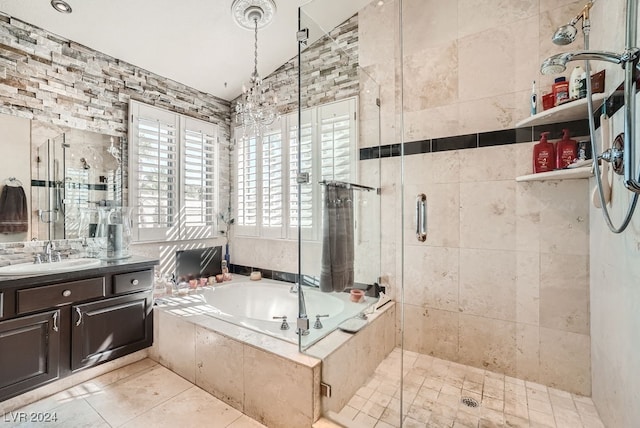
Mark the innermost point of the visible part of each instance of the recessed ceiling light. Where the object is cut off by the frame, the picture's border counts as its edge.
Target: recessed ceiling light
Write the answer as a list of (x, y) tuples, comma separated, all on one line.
[(61, 6)]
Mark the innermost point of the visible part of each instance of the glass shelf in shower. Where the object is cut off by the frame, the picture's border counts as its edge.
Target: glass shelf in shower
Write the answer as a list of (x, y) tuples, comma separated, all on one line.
[(573, 110), (561, 174)]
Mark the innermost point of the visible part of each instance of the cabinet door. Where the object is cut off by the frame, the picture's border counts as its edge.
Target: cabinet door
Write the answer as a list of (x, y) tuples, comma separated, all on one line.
[(104, 330), (29, 352)]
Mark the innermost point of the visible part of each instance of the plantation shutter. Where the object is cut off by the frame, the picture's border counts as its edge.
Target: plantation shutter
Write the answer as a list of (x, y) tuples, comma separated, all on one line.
[(173, 175), (272, 195), (337, 133), (267, 186), (305, 158), (200, 171), (247, 186), (155, 169)]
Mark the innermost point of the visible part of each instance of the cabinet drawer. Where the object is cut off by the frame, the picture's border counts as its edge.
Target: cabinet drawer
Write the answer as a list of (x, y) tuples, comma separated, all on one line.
[(33, 299), (134, 281)]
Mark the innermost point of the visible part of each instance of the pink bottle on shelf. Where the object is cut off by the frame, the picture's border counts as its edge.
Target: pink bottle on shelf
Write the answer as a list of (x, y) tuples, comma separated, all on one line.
[(544, 158)]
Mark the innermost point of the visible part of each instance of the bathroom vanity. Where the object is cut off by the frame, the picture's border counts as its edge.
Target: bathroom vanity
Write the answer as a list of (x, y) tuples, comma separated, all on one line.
[(54, 325)]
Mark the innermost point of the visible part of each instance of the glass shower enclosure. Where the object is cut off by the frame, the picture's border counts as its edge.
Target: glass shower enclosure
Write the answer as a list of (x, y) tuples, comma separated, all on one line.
[(340, 147)]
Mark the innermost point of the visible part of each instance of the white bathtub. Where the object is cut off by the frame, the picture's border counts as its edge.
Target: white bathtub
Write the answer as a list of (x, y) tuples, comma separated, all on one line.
[(253, 304)]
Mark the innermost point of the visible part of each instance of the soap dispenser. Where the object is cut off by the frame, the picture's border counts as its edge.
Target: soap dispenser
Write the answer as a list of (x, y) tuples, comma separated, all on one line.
[(566, 150), (543, 155)]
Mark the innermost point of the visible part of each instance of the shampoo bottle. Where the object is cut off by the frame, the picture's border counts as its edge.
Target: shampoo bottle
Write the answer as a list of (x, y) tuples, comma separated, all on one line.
[(566, 150), (543, 155), (560, 90), (575, 82)]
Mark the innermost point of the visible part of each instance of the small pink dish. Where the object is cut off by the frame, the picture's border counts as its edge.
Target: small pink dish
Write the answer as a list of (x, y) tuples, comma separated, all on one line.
[(357, 295)]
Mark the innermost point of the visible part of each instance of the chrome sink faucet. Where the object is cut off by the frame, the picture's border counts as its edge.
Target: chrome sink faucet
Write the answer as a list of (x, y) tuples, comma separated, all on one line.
[(50, 253)]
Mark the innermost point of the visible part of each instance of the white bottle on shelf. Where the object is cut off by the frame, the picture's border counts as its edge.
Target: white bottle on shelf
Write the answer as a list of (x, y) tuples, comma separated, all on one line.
[(574, 83)]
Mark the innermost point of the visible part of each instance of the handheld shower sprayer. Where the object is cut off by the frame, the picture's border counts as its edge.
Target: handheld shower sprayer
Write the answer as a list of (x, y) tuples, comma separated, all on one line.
[(629, 62), (558, 63)]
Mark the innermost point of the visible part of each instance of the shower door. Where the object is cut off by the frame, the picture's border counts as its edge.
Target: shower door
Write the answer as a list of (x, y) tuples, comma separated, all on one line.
[(340, 149)]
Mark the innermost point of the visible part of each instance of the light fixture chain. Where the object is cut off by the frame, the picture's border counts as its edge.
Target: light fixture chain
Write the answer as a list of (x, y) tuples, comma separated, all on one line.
[(255, 46)]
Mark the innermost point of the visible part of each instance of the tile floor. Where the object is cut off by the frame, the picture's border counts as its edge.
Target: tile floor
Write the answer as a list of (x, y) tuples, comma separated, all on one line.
[(142, 394), (147, 394), (433, 389)]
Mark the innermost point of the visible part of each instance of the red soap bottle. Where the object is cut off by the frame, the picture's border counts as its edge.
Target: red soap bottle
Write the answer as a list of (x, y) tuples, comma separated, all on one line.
[(566, 150), (543, 155)]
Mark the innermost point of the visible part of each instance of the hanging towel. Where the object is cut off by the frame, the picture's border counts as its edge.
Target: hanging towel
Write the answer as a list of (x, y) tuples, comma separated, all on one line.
[(336, 272), (13, 210)]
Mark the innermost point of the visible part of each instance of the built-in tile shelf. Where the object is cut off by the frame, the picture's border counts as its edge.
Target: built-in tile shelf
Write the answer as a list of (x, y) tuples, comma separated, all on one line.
[(560, 174), (574, 110)]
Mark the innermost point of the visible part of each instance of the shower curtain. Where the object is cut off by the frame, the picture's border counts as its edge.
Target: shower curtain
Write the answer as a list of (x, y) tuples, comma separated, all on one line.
[(336, 272)]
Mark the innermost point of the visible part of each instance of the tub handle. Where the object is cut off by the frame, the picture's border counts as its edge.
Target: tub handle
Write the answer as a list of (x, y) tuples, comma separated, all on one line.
[(318, 324), (285, 324), (421, 217)]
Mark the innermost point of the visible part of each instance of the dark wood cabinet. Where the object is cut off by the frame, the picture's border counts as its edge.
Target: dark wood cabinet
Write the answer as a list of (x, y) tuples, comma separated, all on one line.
[(29, 352), (51, 329), (109, 328)]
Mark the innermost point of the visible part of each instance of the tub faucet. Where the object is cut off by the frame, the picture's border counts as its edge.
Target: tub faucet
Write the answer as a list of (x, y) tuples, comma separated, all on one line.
[(285, 324), (318, 324)]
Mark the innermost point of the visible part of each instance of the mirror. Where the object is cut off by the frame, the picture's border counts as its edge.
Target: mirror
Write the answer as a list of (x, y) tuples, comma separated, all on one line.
[(62, 170)]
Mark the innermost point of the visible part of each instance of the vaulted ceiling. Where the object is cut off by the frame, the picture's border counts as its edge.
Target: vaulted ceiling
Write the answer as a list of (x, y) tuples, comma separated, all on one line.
[(195, 42)]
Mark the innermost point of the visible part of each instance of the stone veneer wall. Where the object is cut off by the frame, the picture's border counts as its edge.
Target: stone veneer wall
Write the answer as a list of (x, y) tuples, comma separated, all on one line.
[(502, 281), (329, 71), (56, 81)]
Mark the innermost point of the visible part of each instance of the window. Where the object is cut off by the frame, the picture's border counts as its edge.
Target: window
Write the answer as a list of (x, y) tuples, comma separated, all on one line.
[(173, 174), (267, 189)]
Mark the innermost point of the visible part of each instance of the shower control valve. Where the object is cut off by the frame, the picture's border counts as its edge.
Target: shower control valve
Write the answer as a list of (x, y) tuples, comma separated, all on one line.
[(615, 155)]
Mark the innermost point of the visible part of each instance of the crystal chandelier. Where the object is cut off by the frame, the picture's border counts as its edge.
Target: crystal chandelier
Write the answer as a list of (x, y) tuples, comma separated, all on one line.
[(256, 108)]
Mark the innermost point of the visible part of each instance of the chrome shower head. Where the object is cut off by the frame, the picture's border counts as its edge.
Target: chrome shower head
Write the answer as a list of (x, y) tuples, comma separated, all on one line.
[(558, 63), (565, 34), (554, 65)]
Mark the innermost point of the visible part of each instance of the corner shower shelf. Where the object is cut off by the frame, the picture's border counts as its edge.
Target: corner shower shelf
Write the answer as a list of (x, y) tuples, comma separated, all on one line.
[(574, 110), (561, 174)]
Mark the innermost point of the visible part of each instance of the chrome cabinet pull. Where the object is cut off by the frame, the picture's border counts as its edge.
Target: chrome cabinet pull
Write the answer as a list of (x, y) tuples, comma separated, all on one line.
[(135, 282), (79, 312), (66, 293), (55, 321), (421, 217)]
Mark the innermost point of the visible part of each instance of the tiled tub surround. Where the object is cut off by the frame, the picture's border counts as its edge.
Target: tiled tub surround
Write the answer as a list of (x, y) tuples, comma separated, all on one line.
[(264, 377)]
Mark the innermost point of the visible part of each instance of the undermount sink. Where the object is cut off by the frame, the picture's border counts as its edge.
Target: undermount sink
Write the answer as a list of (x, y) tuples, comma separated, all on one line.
[(55, 267)]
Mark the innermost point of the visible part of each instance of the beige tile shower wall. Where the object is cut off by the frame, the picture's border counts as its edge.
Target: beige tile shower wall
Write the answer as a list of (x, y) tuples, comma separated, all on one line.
[(615, 271), (502, 281)]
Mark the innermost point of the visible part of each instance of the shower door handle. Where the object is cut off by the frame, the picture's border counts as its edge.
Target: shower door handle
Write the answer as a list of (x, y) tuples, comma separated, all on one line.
[(421, 217)]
